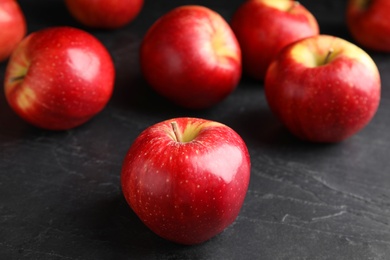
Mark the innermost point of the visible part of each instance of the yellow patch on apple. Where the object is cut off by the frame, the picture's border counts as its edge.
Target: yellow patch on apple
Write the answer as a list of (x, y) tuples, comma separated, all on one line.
[(313, 53), (26, 98), (280, 5), (221, 44)]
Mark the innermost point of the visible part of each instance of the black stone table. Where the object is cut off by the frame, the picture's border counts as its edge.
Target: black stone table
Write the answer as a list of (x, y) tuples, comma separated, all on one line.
[(60, 194)]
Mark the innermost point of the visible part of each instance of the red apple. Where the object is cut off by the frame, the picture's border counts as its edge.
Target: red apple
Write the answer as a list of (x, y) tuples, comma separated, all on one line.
[(12, 27), (105, 14), (59, 78), (369, 23), (323, 88), (264, 27), (192, 57), (186, 178)]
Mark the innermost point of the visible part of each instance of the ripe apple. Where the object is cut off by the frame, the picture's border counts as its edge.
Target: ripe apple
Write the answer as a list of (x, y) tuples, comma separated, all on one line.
[(369, 24), (59, 78), (186, 178), (191, 56), (13, 27), (104, 14), (323, 88), (264, 27)]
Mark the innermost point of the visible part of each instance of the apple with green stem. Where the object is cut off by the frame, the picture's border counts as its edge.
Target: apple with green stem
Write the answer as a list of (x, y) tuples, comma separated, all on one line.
[(59, 78), (186, 178), (323, 88), (369, 24), (13, 27), (264, 27), (191, 56)]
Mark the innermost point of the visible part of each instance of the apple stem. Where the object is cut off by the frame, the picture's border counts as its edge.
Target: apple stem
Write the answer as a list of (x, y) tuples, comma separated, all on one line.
[(17, 78), (295, 4), (330, 51), (176, 131), (366, 4)]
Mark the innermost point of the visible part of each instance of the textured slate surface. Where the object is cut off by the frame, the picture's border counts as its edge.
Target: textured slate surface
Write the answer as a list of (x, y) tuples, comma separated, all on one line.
[(60, 196)]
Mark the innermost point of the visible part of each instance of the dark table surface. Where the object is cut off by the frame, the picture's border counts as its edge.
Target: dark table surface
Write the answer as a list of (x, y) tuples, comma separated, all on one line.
[(60, 195)]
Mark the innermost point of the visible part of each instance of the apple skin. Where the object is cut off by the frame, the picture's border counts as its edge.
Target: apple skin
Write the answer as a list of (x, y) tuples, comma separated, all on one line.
[(369, 24), (59, 78), (264, 27), (13, 27), (104, 14), (323, 96), (186, 191), (191, 56)]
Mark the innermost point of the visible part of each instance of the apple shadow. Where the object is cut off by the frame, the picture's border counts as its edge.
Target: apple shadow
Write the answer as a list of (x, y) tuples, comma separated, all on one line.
[(112, 224), (131, 91), (259, 127), (44, 12), (249, 82), (135, 94), (262, 131), (335, 28)]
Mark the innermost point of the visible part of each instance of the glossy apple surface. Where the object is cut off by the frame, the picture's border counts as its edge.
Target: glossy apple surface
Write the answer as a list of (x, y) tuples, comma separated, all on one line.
[(191, 56), (58, 78), (12, 27), (264, 27), (323, 88), (369, 23), (186, 180), (104, 14)]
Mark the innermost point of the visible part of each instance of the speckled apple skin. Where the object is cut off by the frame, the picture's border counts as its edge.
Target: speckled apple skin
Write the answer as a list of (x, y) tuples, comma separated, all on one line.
[(191, 56), (323, 102), (187, 192), (59, 78), (263, 30)]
